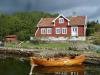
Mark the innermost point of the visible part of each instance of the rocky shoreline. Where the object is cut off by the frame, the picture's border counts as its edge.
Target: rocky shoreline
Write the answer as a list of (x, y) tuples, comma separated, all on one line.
[(92, 56)]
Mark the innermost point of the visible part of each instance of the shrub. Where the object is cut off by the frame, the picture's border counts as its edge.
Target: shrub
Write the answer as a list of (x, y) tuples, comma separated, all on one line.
[(96, 40), (97, 28), (23, 35), (90, 31), (35, 41)]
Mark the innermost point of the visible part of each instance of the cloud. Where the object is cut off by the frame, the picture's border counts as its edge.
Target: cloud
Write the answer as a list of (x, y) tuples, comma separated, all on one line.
[(82, 10), (90, 8)]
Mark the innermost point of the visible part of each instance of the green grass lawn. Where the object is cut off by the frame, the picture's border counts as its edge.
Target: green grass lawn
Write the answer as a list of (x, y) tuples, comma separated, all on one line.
[(53, 49), (41, 45)]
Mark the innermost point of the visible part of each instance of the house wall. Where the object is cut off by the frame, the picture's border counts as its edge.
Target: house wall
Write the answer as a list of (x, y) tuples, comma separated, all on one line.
[(56, 25), (81, 30), (63, 25), (11, 39), (68, 34)]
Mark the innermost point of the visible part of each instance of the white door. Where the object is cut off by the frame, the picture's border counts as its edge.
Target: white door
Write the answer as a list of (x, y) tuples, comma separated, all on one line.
[(74, 31)]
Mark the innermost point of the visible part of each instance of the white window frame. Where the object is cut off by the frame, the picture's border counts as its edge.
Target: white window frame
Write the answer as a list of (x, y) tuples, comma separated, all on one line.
[(64, 30), (49, 30), (61, 20), (58, 30), (43, 31)]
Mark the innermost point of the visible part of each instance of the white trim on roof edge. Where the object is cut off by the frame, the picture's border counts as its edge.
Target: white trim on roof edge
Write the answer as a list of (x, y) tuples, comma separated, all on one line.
[(59, 16), (36, 31)]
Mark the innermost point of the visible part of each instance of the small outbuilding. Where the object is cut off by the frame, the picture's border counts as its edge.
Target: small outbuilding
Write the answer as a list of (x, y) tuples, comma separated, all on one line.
[(11, 38)]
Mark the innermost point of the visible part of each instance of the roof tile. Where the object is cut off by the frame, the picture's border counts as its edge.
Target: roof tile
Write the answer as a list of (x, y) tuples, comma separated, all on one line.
[(46, 22), (75, 20)]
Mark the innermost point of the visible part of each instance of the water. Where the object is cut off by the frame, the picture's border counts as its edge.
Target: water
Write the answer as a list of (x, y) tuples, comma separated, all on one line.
[(16, 67)]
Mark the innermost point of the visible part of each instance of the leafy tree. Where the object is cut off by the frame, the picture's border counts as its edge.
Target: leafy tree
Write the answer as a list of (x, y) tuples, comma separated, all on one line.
[(22, 24), (97, 28), (91, 27), (96, 39)]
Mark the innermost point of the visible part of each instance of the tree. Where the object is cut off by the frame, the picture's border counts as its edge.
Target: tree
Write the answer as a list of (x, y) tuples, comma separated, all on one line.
[(90, 28), (22, 24)]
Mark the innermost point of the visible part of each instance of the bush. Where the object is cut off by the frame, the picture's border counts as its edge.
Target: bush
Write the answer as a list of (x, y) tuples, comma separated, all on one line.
[(35, 41), (23, 35), (90, 31), (97, 28), (96, 39)]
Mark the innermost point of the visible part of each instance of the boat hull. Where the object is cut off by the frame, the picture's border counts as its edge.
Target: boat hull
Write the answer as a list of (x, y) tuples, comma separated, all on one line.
[(78, 60)]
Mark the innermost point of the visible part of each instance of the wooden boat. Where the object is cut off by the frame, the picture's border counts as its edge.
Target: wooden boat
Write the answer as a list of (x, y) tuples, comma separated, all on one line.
[(77, 60)]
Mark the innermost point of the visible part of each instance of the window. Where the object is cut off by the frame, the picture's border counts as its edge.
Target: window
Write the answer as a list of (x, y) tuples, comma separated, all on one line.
[(61, 20), (46, 30), (64, 30), (49, 30), (75, 29), (58, 30), (43, 30)]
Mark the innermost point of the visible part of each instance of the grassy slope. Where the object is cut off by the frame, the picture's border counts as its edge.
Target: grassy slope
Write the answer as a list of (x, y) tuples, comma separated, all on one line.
[(46, 48), (42, 45)]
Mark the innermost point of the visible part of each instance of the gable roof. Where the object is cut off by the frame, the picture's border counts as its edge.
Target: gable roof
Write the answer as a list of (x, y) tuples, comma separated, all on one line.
[(45, 22), (60, 16), (75, 20)]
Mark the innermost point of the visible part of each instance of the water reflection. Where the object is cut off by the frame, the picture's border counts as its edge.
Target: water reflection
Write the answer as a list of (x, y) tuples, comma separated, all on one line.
[(14, 67), (65, 70), (17, 67)]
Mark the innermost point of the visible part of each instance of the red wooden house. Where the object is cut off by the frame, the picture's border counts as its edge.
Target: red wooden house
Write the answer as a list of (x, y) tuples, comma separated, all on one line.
[(62, 28)]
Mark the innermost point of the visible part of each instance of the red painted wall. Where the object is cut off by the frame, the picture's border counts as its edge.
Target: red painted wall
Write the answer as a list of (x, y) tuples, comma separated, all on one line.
[(63, 25), (56, 25), (81, 30), (69, 31)]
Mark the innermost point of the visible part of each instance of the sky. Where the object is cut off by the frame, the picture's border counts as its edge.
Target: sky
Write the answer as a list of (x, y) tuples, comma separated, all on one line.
[(89, 8)]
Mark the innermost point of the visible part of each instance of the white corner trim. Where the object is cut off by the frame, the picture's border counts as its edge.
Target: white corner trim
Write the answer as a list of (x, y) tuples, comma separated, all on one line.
[(68, 23), (85, 26), (86, 21), (36, 31)]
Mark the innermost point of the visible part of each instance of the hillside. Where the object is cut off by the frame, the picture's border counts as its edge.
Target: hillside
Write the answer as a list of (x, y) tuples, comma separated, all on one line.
[(22, 24)]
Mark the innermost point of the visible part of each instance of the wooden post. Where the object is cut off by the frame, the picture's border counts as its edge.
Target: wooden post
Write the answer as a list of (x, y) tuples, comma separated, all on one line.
[(32, 67)]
